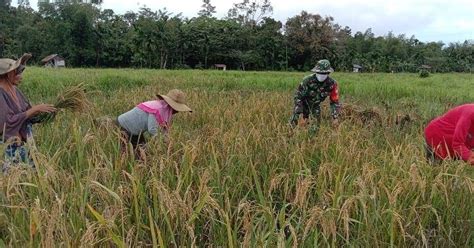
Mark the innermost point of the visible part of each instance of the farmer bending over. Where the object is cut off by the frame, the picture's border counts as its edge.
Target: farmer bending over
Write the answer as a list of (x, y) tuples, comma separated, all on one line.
[(451, 135), (152, 117), (312, 91), (16, 113)]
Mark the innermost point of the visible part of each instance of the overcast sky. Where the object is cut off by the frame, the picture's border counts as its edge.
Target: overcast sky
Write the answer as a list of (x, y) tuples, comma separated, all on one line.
[(428, 20)]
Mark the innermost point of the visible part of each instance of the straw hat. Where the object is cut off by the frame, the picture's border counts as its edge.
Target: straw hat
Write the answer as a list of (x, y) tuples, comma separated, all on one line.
[(8, 65), (176, 99)]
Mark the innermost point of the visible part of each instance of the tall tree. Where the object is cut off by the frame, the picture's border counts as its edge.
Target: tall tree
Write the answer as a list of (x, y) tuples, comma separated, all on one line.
[(310, 38), (270, 44), (250, 11), (207, 9)]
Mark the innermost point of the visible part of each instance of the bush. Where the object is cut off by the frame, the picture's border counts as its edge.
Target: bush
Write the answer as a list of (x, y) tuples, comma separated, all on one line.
[(424, 73)]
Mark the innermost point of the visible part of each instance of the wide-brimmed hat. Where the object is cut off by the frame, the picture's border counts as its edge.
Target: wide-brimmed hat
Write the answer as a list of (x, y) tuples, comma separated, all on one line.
[(8, 65), (176, 99), (323, 66)]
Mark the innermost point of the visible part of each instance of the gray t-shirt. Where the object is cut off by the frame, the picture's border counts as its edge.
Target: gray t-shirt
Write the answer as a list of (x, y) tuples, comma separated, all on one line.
[(137, 121)]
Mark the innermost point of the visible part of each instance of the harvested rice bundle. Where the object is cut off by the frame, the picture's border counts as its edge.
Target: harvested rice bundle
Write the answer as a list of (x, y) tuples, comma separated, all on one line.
[(73, 99), (362, 115), (372, 115)]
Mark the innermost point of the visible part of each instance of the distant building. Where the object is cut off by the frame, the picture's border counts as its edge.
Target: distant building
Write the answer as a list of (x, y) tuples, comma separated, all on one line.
[(425, 67), (53, 60), (220, 66), (356, 68)]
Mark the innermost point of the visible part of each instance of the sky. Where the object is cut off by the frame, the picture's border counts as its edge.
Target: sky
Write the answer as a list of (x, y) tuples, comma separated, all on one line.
[(427, 20)]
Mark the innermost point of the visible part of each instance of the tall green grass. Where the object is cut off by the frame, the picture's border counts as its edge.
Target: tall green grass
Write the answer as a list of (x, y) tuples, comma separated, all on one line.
[(234, 174)]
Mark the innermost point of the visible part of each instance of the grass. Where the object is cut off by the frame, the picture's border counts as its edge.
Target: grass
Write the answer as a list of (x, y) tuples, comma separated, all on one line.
[(234, 174)]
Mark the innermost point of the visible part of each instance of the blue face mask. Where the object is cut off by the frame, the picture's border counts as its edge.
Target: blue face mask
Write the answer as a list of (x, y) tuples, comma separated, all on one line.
[(321, 77)]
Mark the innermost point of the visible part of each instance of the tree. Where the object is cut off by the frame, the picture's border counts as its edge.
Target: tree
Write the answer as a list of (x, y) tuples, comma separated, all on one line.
[(23, 3), (83, 35), (310, 38), (98, 2), (5, 4), (270, 44), (250, 12), (156, 37), (207, 9), (113, 46), (460, 56), (248, 38)]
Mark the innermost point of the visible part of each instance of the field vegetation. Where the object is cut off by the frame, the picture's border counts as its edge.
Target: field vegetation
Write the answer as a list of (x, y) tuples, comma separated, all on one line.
[(234, 174)]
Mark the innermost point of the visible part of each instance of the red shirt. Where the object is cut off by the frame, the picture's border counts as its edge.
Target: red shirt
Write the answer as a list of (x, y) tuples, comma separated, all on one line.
[(452, 134)]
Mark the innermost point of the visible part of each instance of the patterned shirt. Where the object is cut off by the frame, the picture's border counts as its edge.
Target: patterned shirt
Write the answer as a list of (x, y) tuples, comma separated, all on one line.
[(311, 93)]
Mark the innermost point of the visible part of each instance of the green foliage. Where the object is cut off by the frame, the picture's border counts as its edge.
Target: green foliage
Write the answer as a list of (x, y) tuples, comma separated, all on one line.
[(207, 9), (248, 39), (250, 12), (424, 73)]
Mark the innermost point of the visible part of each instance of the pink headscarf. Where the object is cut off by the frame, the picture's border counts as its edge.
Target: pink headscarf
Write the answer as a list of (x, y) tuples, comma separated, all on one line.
[(160, 109)]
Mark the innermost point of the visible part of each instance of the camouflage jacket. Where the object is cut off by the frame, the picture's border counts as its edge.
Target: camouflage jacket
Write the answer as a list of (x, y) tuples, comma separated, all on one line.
[(311, 93)]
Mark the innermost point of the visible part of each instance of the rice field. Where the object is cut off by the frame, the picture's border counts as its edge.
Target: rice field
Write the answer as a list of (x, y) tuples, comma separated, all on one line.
[(234, 174)]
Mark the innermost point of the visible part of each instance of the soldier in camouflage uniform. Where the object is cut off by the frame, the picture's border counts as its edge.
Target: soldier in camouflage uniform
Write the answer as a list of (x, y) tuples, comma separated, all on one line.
[(312, 91)]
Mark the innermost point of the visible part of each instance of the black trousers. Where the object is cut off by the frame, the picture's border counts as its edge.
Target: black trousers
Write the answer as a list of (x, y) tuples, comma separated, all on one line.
[(136, 140)]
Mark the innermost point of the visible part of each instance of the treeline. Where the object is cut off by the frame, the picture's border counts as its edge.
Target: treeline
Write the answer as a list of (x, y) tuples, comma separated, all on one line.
[(247, 39)]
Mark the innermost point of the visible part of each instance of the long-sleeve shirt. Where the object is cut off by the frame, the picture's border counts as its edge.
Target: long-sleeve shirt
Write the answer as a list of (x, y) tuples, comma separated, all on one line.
[(311, 93), (13, 119), (452, 134), (137, 121)]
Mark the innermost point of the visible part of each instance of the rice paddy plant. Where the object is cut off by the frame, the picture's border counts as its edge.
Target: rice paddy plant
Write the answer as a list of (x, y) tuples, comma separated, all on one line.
[(234, 174)]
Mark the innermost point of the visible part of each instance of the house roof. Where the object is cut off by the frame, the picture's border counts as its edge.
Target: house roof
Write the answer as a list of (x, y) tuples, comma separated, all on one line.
[(357, 66), (425, 67), (50, 57)]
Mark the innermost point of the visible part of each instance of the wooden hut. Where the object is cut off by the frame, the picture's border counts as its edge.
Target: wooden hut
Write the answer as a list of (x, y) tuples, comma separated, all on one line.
[(356, 68), (220, 67), (53, 60)]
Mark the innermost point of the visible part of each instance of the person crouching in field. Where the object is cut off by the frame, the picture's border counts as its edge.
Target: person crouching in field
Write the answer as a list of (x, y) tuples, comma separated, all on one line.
[(152, 117), (16, 113), (313, 90), (451, 135)]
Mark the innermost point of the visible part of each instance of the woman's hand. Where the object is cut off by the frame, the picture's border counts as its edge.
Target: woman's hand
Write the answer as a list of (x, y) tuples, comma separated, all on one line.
[(40, 108), (44, 108)]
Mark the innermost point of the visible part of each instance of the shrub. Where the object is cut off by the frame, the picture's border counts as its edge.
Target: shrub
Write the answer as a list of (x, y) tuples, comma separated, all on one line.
[(424, 73)]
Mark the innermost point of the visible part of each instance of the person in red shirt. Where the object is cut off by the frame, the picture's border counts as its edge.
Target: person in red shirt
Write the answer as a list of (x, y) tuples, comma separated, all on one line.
[(452, 135)]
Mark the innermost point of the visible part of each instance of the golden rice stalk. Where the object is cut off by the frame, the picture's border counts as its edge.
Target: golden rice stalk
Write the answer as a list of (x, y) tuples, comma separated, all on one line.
[(73, 98)]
